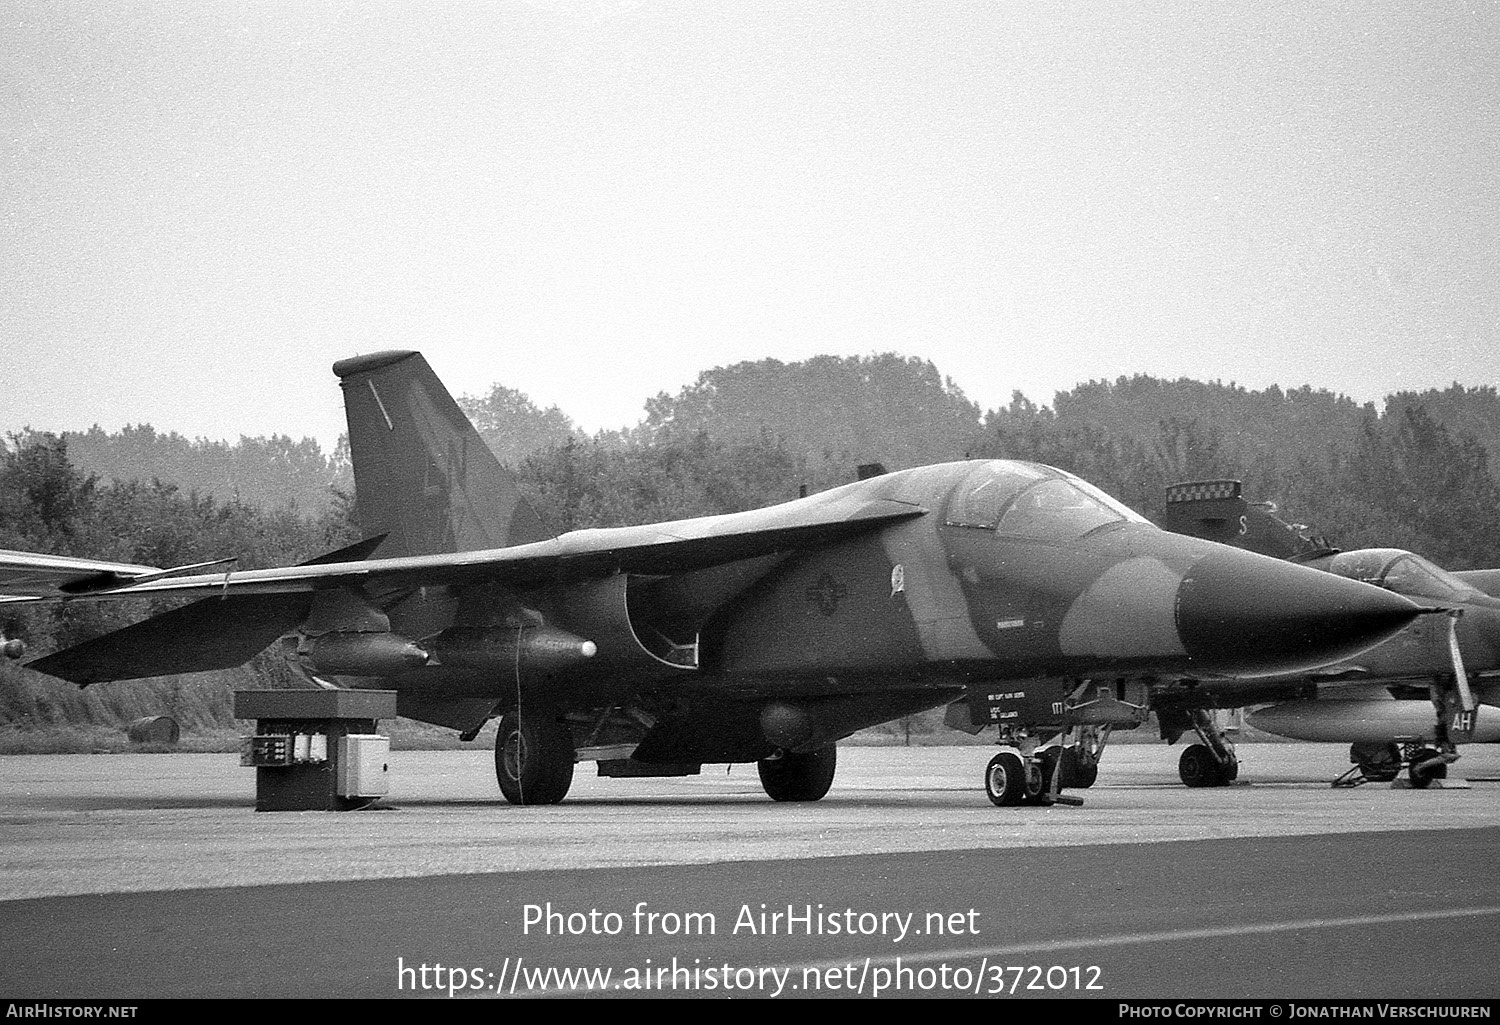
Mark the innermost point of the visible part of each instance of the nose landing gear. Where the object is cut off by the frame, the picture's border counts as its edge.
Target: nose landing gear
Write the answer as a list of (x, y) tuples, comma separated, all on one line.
[(1382, 762), (1035, 774)]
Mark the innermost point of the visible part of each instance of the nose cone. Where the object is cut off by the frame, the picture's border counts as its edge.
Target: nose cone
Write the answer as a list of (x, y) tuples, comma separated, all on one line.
[(1247, 615)]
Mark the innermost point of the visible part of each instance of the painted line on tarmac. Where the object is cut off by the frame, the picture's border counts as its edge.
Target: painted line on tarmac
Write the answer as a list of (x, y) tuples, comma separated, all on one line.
[(863, 964), (1177, 935)]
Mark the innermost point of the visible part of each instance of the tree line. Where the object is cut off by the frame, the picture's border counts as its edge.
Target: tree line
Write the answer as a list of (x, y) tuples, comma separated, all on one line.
[(1400, 478), (1415, 474)]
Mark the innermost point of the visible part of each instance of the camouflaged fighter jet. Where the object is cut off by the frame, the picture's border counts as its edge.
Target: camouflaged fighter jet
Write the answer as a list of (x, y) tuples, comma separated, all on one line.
[(761, 636), (1405, 703)]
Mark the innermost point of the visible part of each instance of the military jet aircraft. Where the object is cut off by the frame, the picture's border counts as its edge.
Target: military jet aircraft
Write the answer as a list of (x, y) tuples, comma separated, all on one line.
[(1406, 702), (763, 636), (1427, 684)]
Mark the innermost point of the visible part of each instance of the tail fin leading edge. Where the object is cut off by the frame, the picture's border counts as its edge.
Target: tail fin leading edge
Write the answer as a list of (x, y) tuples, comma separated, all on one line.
[(422, 473)]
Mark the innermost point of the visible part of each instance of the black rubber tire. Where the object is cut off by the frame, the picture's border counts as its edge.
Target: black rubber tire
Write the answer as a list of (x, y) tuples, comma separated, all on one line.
[(1005, 779), (1080, 776), (534, 758), (799, 777), (1075, 775), (1199, 768), (1039, 770), (1420, 780)]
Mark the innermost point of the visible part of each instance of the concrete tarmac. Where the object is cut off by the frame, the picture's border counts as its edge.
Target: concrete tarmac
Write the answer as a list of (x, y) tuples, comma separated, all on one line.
[(134, 876)]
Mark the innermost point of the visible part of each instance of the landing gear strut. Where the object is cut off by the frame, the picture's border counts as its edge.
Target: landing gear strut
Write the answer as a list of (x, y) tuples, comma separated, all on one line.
[(534, 758), (1453, 702)]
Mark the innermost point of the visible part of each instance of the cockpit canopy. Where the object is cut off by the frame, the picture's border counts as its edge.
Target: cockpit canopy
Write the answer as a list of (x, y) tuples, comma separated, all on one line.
[(1403, 572), (1031, 502)]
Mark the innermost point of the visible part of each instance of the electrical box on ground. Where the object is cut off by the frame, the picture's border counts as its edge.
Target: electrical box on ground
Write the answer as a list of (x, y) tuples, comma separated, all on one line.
[(316, 750), (364, 766)]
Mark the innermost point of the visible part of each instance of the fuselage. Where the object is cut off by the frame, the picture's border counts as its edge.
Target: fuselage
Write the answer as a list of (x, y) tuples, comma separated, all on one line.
[(1004, 570)]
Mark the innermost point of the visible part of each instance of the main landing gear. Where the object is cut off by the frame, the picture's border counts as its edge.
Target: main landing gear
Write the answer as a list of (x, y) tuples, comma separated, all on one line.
[(534, 758), (790, 776)]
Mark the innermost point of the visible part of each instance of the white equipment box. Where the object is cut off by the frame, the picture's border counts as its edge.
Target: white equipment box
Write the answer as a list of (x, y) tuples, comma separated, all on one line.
[(364, 765)]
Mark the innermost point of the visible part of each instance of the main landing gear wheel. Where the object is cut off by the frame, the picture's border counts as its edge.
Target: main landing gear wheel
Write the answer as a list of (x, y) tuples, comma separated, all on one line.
[(1199, 768), (1421, 777), (799, 777), (534, 758), (1005, 779)]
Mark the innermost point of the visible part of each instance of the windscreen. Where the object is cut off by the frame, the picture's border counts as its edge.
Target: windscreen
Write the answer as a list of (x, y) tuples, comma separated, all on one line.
[(1403, 572), (1055, 510), (1032, 502), (984, 494), (1414, 576)]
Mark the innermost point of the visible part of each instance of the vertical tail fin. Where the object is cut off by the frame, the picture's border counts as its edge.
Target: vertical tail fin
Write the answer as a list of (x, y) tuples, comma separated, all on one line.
[(422, 474), (1215, 510)]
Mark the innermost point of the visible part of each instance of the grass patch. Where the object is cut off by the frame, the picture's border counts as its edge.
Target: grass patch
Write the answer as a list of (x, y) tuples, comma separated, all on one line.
[(95, 739)]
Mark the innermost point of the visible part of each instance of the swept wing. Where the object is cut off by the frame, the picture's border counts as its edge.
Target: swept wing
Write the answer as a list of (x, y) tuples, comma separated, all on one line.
[(671, 547)]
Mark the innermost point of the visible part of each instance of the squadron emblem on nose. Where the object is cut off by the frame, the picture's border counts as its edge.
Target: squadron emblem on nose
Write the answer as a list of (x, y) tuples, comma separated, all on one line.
[(826, 594)]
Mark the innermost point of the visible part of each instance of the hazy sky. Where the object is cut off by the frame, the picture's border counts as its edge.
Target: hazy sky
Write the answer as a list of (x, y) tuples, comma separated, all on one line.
[(206, 204)]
